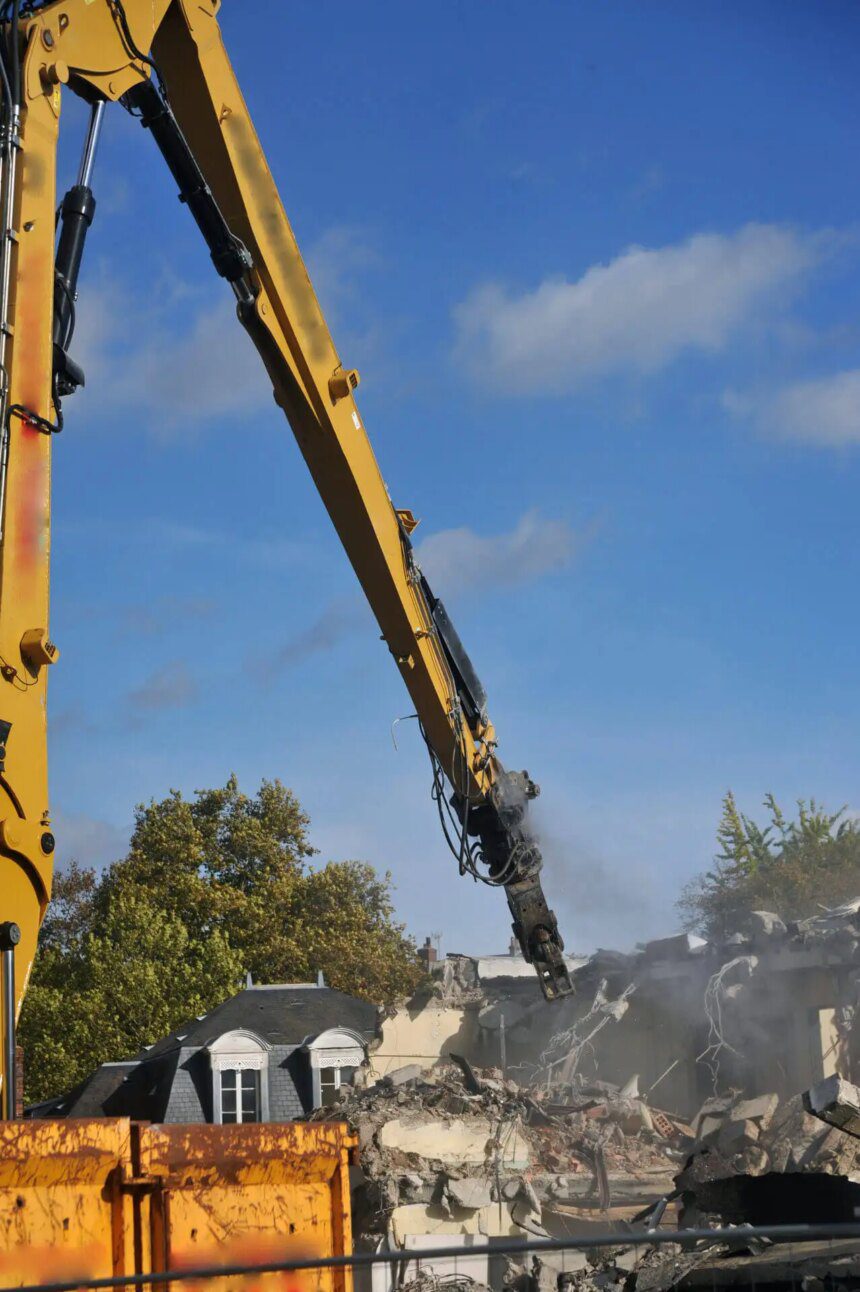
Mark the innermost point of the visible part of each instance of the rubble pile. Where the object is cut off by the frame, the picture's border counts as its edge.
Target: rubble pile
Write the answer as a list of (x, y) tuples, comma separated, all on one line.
[(469, 1144), (463, 1150), (456, 980), (765, 1161), (777, 998), (455, 1154)]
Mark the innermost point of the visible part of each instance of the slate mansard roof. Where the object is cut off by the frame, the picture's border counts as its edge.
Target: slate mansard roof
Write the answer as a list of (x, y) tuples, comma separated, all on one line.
[(162, 1078), (281, 1015)]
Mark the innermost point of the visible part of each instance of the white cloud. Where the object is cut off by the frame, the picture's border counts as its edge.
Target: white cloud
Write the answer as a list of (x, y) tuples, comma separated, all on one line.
[(335, 262), (459, 560), (637, 313), (824, 410), (142, 364), (178, 357), (455, 561)]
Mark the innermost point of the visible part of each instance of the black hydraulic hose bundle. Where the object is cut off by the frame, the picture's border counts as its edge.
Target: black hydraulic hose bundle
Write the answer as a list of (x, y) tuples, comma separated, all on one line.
[(229, 256)]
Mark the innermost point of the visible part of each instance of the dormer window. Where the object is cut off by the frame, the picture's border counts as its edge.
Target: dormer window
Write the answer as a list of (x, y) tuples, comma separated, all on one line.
[(240, 1085), (240, 1095), (334, 1056), (331, 1080)]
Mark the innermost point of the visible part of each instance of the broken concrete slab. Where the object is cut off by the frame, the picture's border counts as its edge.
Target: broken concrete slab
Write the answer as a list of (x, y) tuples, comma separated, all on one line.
[(761, 1110), (413, 1187), (735, 1135), (410, 1072), (454, 1141), (798, 1141), (710, 1125), (716, 1107), (837, 1102), (470, 1193), (681, 946), (455, 1102), (632, 1117)]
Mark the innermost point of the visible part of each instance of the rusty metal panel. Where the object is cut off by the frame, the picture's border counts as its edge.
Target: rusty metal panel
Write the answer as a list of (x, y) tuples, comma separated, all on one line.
[(231, 1194), (100, 1197), (62, 1208)]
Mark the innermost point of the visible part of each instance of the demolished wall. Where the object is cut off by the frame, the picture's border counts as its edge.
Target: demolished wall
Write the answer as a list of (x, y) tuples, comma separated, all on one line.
[(459, 1156), (422, 1032), (663, 1091), (769, 1009)]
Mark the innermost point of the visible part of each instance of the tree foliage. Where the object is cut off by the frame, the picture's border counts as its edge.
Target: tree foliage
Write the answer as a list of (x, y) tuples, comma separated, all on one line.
[(793, 867), (210, 889)]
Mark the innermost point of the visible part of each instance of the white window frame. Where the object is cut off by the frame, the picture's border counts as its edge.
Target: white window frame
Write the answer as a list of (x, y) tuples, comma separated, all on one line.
[(239, 1051), (337, 1048), (239, 1073), (337, 1069)]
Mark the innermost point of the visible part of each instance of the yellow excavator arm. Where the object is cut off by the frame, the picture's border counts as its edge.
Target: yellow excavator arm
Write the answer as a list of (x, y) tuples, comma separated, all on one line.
[(165, 62)]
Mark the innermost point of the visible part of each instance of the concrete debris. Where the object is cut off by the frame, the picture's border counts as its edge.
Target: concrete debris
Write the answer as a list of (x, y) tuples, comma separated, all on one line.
[(462, 1150), (760, 1111), (400, 1076), (777, 998), (471, 1193), (766, 924), (710, 1115), (457, 980), (682, 944), (735, 1135), (776, 1163), (519, 1163), (493, 1116), (835, 1101)]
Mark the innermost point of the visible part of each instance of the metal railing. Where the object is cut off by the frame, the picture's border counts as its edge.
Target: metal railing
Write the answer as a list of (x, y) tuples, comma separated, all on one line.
[(843, 1241)]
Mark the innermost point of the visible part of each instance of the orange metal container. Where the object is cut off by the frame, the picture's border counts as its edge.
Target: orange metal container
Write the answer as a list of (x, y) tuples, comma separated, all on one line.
[(100, 1197)]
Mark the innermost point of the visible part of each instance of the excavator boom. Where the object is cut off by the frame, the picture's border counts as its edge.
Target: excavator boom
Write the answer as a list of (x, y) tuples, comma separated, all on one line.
[(165, 62)]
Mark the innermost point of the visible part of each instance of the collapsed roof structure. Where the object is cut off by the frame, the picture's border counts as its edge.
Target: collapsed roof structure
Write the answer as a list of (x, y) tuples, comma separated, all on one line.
[(669, 1091), (465, 1157), (769, 1008)]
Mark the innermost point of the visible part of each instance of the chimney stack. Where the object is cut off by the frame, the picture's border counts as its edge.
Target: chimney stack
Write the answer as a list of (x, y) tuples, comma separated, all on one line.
[(428, 954)]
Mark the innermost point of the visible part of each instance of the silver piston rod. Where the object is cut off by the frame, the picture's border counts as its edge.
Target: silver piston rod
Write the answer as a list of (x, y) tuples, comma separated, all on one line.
[(10, 936), (11, 145)]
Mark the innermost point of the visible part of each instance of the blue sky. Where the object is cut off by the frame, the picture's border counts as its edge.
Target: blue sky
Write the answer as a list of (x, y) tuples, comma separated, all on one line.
[(598, 266)]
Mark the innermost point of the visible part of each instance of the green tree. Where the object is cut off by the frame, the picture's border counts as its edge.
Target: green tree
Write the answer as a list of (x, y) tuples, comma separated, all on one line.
[(793, 867), (133, 972), (209, 890)]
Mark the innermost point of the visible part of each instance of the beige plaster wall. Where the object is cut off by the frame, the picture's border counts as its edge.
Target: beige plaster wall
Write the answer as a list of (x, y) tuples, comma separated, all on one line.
[(422, 1036)]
